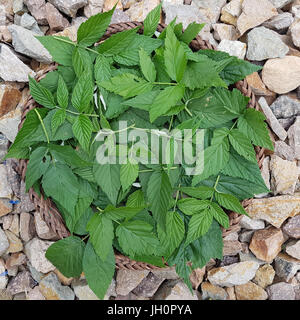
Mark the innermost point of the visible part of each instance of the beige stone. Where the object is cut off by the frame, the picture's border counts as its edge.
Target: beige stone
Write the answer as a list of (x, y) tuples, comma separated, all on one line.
[(257, 86), (15, 244), (197, 276), (140, 10), (15, 223), (224, 31), (250, 291), (70, 32), (264, 276), (10, 96), (55, 19), (127, 280), (93, 7), (274, 210), (27, 229), (109, 4), (42, 229), (284, 175), (231, 293), (231, 11), (282, 75), (5, 207), (231, 248), (35, 294), (15, 259), (209, 291), (5, 34), (64, 280), (254, 13), (293, 249), (295, 33), (266, 244)]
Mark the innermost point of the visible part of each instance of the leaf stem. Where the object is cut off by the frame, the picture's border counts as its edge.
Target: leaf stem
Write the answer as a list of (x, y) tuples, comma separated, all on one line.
[(151, 170), (177, 195), (171, 123), (215, 186), (85, 237), (78, 113), (43, 125), (234, 124), (188, 111), (66, 41), (165, 83)]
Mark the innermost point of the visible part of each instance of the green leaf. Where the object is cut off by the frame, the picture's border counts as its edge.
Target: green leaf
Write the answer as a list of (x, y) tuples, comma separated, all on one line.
[(60, 48), (102, 69), (202, 74), (136, 199), (174, 234), (199, 225), (50, 81), (159, 191), (40, 94), (192, 206), (57, 120), (238, 167), (147, 66), (101, 234), (175, 58), (68, 155), (108, 178), (98, 273), (230, 202), (67, 255), (130, 55), (142, 101), (81, 61), (127, 85), (191, 32), (120, 213), (253, 126), (23, 138), (212, 161), (128, 174), (219, 215), (94, 28), (201, 192), (61, 184), (242, 145), (37, 166), (136, 237), (83, 129), (62, 93), (83, 92), (117, 42), (166, 99), (152, 20)]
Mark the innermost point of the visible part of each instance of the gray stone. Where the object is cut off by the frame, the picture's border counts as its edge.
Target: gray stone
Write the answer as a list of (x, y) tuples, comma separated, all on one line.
[(228, 260), (35, 294), (235, 274), (234, 48), (127, 280), (251, 224), (265, 44), (286, 123), (23, 282), (284, 151), (224, 31), (25, 204), (11, 67), (4, 295), (295, 33), (281, 291), (286, 267), (280, 23), (69, 7), (3, 278), (292, 227), (35, 250), (249, 256), (52, 289), (55, 19), (294, 138), (278, 4), (119, 16), (38, 10), (168, 273), (231, 248), (19, 7), (93, 7), (4, 244), (2, 16), (27, 229), (293, 249), (246, 236), (24, 42), (28, 22), (285, 107), (42, 229), (3, 146), (5, 189), (210, 8), (175, 290), (148, 286), (83, 291), (36, 275), (9, 123)]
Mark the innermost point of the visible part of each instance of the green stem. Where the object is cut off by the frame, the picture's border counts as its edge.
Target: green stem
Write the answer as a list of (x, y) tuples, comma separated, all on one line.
[(234, 124), (85, 237), (177, 195), (66, 41), (215, 186), (165, 83), (151, 170), (171, 123), (78, 113), (43, 125), (188, 111)]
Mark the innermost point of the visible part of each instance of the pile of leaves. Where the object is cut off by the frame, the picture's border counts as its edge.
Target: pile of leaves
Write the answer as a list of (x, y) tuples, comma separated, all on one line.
[(153, 213)]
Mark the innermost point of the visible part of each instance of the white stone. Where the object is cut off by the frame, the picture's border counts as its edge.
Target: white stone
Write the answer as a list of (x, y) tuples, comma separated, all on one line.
[(5, 189), (127, 280), (24, 41), (224, 31), (11, 67), (9, 123), (293, 249), (175, 290), (4, 244), (295, 33), (69, 7), (210, 8), (234, 48), (42, 229), (35, 250), (93, 7), (280, 22), (278, 4), (3, 278), (294, 137), (251, 224), (234, 274)]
